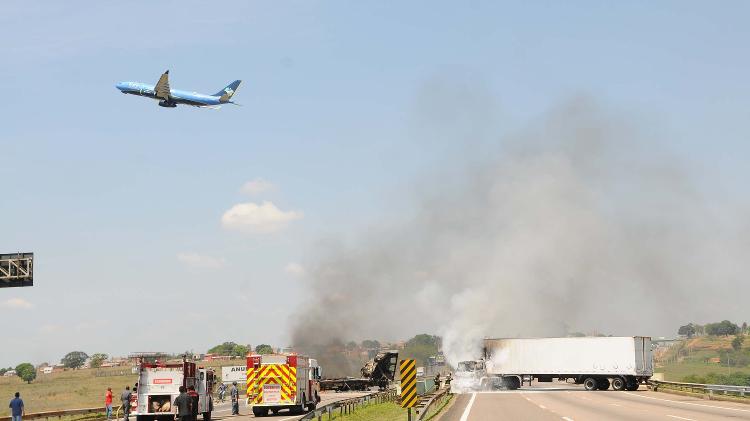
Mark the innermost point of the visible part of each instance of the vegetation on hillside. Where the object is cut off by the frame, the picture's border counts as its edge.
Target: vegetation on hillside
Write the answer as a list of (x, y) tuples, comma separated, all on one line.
[(713, 353), (420, 348)]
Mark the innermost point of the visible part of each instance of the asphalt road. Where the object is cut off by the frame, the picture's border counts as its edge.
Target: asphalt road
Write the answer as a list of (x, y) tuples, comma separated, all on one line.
[(223, 411), (572, 403)]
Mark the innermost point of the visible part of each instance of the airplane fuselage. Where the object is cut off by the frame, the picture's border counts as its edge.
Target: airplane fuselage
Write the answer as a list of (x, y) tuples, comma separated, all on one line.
[(175, 96)]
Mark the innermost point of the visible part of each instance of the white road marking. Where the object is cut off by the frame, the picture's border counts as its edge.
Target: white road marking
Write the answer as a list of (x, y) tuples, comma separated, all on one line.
[(615, 404), (542, 406), (465, 415), (680, 418), (687, 403), (567, 419)]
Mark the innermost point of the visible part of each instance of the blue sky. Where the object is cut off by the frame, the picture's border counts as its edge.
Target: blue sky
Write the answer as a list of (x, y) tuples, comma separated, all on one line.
[(109, 191)]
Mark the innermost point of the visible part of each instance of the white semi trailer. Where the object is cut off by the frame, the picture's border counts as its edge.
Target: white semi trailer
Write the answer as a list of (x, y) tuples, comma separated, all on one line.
[(596, 362)]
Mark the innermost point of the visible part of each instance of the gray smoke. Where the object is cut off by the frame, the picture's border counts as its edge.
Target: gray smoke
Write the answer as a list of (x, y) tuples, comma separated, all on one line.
[(577, 223)]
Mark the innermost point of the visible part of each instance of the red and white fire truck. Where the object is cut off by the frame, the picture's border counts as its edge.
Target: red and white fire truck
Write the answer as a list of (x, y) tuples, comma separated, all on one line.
[(282, 381), (159, 384)]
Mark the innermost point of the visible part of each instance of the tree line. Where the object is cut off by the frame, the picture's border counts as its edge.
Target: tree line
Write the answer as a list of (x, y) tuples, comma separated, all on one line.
[(722, 328)]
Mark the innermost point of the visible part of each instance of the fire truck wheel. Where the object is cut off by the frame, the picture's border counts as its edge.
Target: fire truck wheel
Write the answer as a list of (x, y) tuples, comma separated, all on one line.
[(206, 416), (260, 412)]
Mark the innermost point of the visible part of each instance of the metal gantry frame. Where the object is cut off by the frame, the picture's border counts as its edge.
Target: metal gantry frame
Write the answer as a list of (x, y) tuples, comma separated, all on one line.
[(16, 270)]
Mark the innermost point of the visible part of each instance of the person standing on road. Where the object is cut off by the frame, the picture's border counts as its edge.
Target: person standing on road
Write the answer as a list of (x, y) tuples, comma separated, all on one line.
[(125, 398), (16, 408), (437, 381), (108, 403), (194, 399), (222, 392), (235, 395), (182, 402)]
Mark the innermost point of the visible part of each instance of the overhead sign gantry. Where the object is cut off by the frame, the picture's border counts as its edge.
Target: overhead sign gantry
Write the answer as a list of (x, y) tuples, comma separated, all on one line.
[(16, 270)]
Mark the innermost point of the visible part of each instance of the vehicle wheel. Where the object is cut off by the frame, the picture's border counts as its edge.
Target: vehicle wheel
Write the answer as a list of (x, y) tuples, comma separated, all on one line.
[(206, 416), (302, 406), (259, 411), (603, 384), (631, 386), (590, 383), (512, 383), (618, 383), (275, 410), (317, 398)]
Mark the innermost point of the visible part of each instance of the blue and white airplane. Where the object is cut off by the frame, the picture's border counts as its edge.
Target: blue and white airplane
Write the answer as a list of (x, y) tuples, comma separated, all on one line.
[(171, 97)]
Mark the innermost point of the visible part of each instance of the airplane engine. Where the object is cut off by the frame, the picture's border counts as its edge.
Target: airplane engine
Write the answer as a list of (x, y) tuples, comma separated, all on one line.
[(167, 104)]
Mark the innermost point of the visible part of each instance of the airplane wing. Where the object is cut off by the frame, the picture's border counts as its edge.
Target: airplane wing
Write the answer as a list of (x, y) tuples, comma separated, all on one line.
[(162, 86)]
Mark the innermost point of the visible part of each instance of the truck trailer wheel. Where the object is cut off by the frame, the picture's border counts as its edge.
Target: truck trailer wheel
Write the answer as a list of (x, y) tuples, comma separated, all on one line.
[(618, 383), (590, 383), (602, 384)]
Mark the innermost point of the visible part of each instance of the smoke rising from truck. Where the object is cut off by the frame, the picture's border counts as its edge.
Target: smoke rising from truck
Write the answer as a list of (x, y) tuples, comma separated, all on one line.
[(579, 222)]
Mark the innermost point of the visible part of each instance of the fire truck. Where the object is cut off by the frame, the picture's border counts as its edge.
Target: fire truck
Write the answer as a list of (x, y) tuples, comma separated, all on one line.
[(159, 384), (282, 381)]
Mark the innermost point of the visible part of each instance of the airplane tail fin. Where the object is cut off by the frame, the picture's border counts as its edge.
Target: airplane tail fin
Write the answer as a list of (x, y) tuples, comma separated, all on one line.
[(227, 92)]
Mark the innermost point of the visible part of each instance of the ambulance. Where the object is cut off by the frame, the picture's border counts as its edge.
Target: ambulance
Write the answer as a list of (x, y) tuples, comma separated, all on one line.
[(282, 381)]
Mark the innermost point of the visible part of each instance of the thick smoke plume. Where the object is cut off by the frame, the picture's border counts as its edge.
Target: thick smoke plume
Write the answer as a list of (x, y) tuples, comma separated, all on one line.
[(575, 224)]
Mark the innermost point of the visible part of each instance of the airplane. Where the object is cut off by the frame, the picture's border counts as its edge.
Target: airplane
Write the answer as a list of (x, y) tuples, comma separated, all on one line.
[(171, 97)]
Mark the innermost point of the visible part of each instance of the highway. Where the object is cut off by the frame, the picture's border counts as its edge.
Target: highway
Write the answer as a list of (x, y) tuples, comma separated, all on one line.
[(550, 401), (222, 411)]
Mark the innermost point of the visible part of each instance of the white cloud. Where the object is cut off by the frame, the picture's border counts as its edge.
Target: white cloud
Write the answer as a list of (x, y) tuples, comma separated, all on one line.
[(253, 218), (201, 261), (257, 186), (294, 269), (16, 303)]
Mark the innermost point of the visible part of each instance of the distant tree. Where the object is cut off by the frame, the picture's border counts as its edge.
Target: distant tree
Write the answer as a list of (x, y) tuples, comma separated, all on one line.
[(74, 359), (744, 328), (230, 349), (723, 328), (264, 349), (687, 330), (97, 359), (577, 335), (26, 371), (351, 346), (3, 370), (737, 342), (370, 344), (421, 348)]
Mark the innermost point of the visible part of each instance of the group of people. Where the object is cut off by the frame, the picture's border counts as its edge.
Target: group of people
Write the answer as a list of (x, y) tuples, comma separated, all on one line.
[(186, 403), (447, 380)]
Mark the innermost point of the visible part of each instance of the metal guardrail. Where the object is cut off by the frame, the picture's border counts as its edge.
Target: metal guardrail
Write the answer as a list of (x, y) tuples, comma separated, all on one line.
[(59, 414), (347, 406), (709, 389), (439, 398)]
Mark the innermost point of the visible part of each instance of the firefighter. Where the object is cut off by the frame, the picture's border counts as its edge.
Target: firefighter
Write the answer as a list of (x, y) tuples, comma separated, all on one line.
[(448, 381), (235, 395), (437, 381), (193, 397)]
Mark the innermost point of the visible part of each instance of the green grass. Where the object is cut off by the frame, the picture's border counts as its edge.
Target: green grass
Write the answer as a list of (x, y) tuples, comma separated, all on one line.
[(676, 372), (388, 411)]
